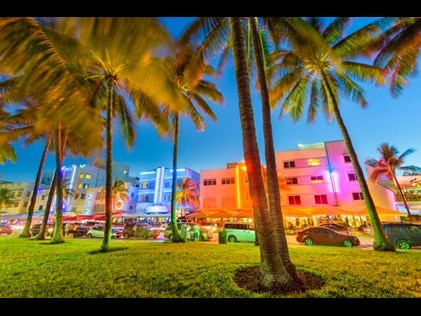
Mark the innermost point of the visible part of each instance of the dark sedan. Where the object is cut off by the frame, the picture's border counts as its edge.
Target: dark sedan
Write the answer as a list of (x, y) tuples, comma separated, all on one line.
[(317, 235)]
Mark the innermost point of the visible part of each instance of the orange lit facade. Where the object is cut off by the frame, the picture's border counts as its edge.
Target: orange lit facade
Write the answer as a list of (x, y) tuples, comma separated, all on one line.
[(318, 174)]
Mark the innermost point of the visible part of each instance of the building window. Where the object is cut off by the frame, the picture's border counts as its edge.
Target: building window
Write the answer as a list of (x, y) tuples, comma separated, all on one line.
[(25, 204), (209, 182), (352, 177), (317, 179), (167, 197), (88, 176), (167, 184), (357, 196), (313, 162), (347, 159), (19, 194), (320, 199), (82, 196), (79, 185), (145, 185), (294, 200), (289, 164), (228, 180), (28, 194), (292, 181), (85, 185), (40, 208), (76, 196), (81, 175), (145, 198), (42, 197)]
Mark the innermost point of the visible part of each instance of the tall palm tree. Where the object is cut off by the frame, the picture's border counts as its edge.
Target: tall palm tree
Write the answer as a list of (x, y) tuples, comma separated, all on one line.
[(261, 52), (273, 273), (187, 193), (322, 74), (195, 89), (218, 39), (388, 164), (35, 51), (125, 63)]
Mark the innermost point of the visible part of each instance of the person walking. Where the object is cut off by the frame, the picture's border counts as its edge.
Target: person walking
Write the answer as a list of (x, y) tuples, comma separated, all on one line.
[(196, 232)]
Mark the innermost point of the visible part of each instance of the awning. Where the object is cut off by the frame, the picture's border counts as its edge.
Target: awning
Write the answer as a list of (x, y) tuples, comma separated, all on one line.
[(382, 211)]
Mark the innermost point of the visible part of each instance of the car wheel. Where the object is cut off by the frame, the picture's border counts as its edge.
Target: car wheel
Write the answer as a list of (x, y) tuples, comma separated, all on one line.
[(232, 239), (347, 243), (403, 244), (308, 242), (90, 236)]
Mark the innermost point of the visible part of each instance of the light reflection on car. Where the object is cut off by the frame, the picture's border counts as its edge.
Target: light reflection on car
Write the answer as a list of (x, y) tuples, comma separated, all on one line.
[(317, 235), (97, 231)]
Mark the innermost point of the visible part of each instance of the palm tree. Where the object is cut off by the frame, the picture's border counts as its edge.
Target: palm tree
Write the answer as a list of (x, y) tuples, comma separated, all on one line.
[(6, 198), (191, 84), (187, 193), (260, 48), (125, 63), (325, 73), (32, 48), (397, 49), (219, 37), (387, 166)]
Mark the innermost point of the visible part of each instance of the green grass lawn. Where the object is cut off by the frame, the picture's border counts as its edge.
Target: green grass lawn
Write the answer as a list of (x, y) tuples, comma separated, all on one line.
[(138, 269)]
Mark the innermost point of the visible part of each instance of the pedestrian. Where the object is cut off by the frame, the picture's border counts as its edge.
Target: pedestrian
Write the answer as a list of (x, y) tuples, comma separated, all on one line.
[(66, 229), (196, 231), (188, 235)]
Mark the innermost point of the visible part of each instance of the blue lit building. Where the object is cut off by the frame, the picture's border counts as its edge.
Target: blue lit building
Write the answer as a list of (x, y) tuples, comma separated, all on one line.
[(155, 188)]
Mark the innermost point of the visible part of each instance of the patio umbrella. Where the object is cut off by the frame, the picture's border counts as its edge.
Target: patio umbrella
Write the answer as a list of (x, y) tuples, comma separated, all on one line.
[(327, 210), (294, 211), (244, 213), (383, 211), (221, 213), (197, 214)]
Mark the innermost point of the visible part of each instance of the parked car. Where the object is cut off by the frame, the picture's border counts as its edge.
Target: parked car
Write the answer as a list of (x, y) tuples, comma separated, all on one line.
[(80, 230), (239, 232), (337, 227), (318, 235), (97, 231), (140, 231), (204, 233), (49, 230), (6, 229), (403, 235)]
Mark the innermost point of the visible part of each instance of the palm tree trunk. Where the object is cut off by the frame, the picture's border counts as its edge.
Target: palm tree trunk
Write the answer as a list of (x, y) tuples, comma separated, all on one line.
[(58, 231), (270, 156), (26, 228), (403, 197), (273, 274), (176, 236), (381, 243), (53, 187), (109, 169)]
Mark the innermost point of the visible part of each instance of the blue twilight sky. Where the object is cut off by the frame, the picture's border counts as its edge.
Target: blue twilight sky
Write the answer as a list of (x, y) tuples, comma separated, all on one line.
[(385, 119)]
